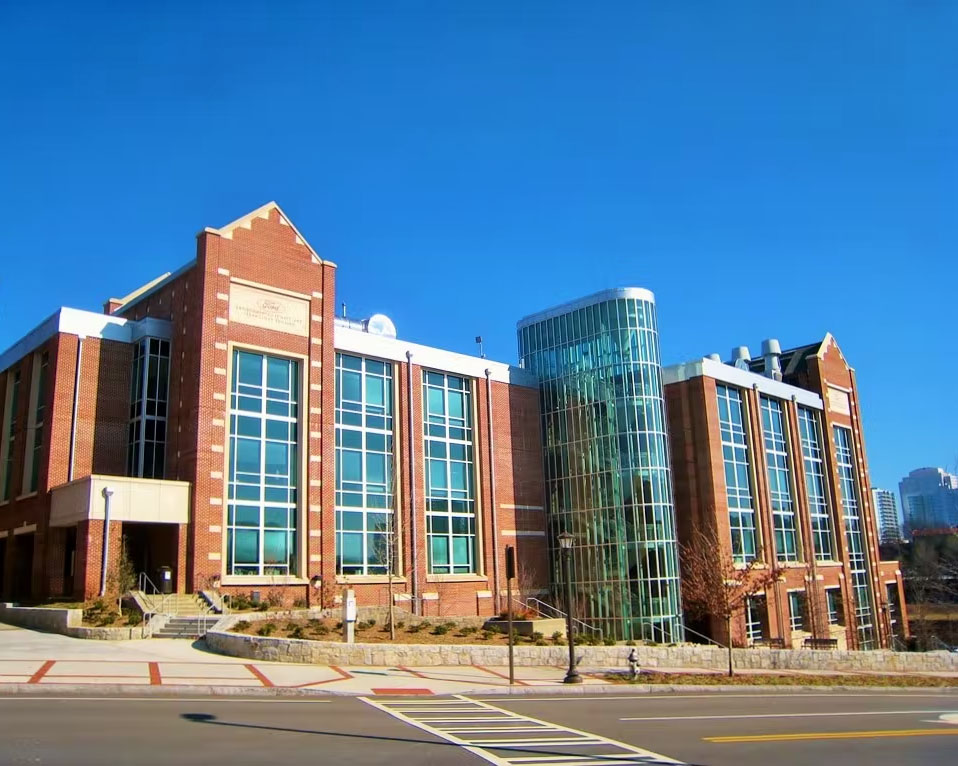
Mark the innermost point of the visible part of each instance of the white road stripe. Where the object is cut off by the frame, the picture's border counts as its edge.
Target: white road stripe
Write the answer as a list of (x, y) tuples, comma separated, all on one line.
[(780, 715), (710, 696), (488, 742)]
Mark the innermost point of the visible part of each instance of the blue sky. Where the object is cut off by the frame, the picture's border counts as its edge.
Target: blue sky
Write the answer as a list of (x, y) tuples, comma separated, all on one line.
[(767, 169)]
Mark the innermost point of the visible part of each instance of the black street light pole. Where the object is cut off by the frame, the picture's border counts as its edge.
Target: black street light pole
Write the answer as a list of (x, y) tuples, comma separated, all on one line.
[(565, 545)]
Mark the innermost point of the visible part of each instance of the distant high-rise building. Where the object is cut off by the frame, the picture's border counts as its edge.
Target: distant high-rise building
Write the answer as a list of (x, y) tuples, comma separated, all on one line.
[(929, 499), (886, 509)]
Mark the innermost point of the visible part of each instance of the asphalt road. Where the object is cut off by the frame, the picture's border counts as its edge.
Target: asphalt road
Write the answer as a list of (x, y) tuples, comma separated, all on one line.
[(336, 730)]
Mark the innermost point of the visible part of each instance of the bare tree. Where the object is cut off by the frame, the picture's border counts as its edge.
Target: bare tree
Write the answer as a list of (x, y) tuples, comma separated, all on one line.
[(713, 585), (931, 578), (385, 550), (122, 576), (815, 608)]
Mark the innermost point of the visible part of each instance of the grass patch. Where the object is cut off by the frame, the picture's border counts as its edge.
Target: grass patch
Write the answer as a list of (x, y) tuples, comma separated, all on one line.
[(775, 679)]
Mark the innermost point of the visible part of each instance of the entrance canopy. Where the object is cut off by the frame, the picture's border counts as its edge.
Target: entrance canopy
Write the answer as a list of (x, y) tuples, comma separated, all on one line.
[(133, 499)]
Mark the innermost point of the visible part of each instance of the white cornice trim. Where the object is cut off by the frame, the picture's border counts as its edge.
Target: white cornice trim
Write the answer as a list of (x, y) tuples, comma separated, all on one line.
[(726, 373), (85, 324), (393, 349), (636, 293)]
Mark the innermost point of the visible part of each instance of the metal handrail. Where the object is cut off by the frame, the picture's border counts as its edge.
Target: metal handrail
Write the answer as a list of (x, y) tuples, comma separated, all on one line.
[(543, 608), (143, 580)]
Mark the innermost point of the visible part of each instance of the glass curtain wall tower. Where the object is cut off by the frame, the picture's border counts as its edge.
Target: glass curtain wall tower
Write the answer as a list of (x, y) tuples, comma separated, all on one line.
[(606, 459)]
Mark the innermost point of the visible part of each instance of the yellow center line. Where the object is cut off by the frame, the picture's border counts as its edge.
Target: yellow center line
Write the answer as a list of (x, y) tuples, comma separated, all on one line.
[(834, 735)]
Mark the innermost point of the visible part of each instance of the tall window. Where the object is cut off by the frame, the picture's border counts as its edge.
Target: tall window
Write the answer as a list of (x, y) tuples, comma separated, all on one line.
[(13, 402), (35, 434), (796, 609), (450, 494), (822, 536), (855, 538), (146, 454), (833, 601), (755, 613), (262, 505), (364, 466), (779, 486), (741, 512)]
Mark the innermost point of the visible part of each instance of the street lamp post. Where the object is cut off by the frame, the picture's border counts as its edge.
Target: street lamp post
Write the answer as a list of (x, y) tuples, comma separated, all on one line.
[(565, 545)]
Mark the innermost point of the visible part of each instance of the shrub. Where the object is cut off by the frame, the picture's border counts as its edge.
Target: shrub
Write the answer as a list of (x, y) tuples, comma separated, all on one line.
[(425, 624), (487, 634), (630, 642), (608, 641), (239, 601), (299, 603), (291, 626), (450, 625), (266, 629), (297, 632), (133, 616), (371, 622), (440, 630), (262, 606), (468, 630), (321, 629), (415, 627), (537, 636), (242, 626), (400, 625), (339, 626), (542, 642), (556, 637)]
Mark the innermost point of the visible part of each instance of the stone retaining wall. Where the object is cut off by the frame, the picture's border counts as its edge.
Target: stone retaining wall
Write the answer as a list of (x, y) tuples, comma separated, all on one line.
[(69, 622), (703, 657)]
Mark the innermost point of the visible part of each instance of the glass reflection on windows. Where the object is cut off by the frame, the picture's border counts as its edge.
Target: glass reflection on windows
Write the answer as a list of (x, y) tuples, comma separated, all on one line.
[(779, 484), (741, 511), (364, 466), (449, 469), (262, 487)]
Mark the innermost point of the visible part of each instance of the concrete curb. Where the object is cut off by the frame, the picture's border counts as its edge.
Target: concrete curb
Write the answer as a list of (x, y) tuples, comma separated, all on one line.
[(174, 692)]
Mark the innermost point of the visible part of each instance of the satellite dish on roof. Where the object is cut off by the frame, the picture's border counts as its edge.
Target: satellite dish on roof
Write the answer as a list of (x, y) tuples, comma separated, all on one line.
[(380, 324)]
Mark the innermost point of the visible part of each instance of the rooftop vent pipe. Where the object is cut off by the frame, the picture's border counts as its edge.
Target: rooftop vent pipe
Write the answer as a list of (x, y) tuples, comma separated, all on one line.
[(772, 352), (741, 357)]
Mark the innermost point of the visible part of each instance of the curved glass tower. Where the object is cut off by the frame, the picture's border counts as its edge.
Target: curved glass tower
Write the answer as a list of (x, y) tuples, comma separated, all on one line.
[(606, 459)]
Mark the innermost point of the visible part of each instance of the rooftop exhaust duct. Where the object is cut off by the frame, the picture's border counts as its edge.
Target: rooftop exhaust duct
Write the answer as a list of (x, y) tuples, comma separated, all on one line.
[(741, 357), (772, 353)]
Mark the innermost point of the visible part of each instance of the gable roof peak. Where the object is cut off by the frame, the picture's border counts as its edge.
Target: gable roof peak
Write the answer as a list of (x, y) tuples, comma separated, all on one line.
[(246, 222)]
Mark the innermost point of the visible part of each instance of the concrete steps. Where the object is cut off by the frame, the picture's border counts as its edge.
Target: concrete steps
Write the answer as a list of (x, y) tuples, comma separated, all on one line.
[(191, 627), (178, 604)]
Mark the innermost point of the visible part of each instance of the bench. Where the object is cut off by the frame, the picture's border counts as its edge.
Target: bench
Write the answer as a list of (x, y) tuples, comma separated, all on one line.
[(769, 643), (820, 643)]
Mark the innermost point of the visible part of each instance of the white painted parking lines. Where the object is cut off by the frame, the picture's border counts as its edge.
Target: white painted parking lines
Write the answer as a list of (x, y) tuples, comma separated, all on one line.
[(508, 739)]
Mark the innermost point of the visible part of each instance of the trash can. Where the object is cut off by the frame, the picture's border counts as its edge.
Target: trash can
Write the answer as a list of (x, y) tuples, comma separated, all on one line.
[(166, 580)]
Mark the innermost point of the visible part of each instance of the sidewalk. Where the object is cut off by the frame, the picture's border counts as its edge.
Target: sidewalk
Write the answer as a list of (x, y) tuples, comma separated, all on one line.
[(31, 659), (46, 659)]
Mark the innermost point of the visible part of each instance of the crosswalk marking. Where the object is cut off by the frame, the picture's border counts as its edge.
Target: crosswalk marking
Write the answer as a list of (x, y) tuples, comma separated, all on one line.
[(505, 738)]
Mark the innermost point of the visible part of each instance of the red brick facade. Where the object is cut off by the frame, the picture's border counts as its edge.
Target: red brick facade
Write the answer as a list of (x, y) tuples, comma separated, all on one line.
[(260, 252), (701, 501)]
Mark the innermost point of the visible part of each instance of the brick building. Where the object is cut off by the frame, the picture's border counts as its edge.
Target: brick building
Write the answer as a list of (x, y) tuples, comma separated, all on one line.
[(222, 424), (240, 434), (769, 455)]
